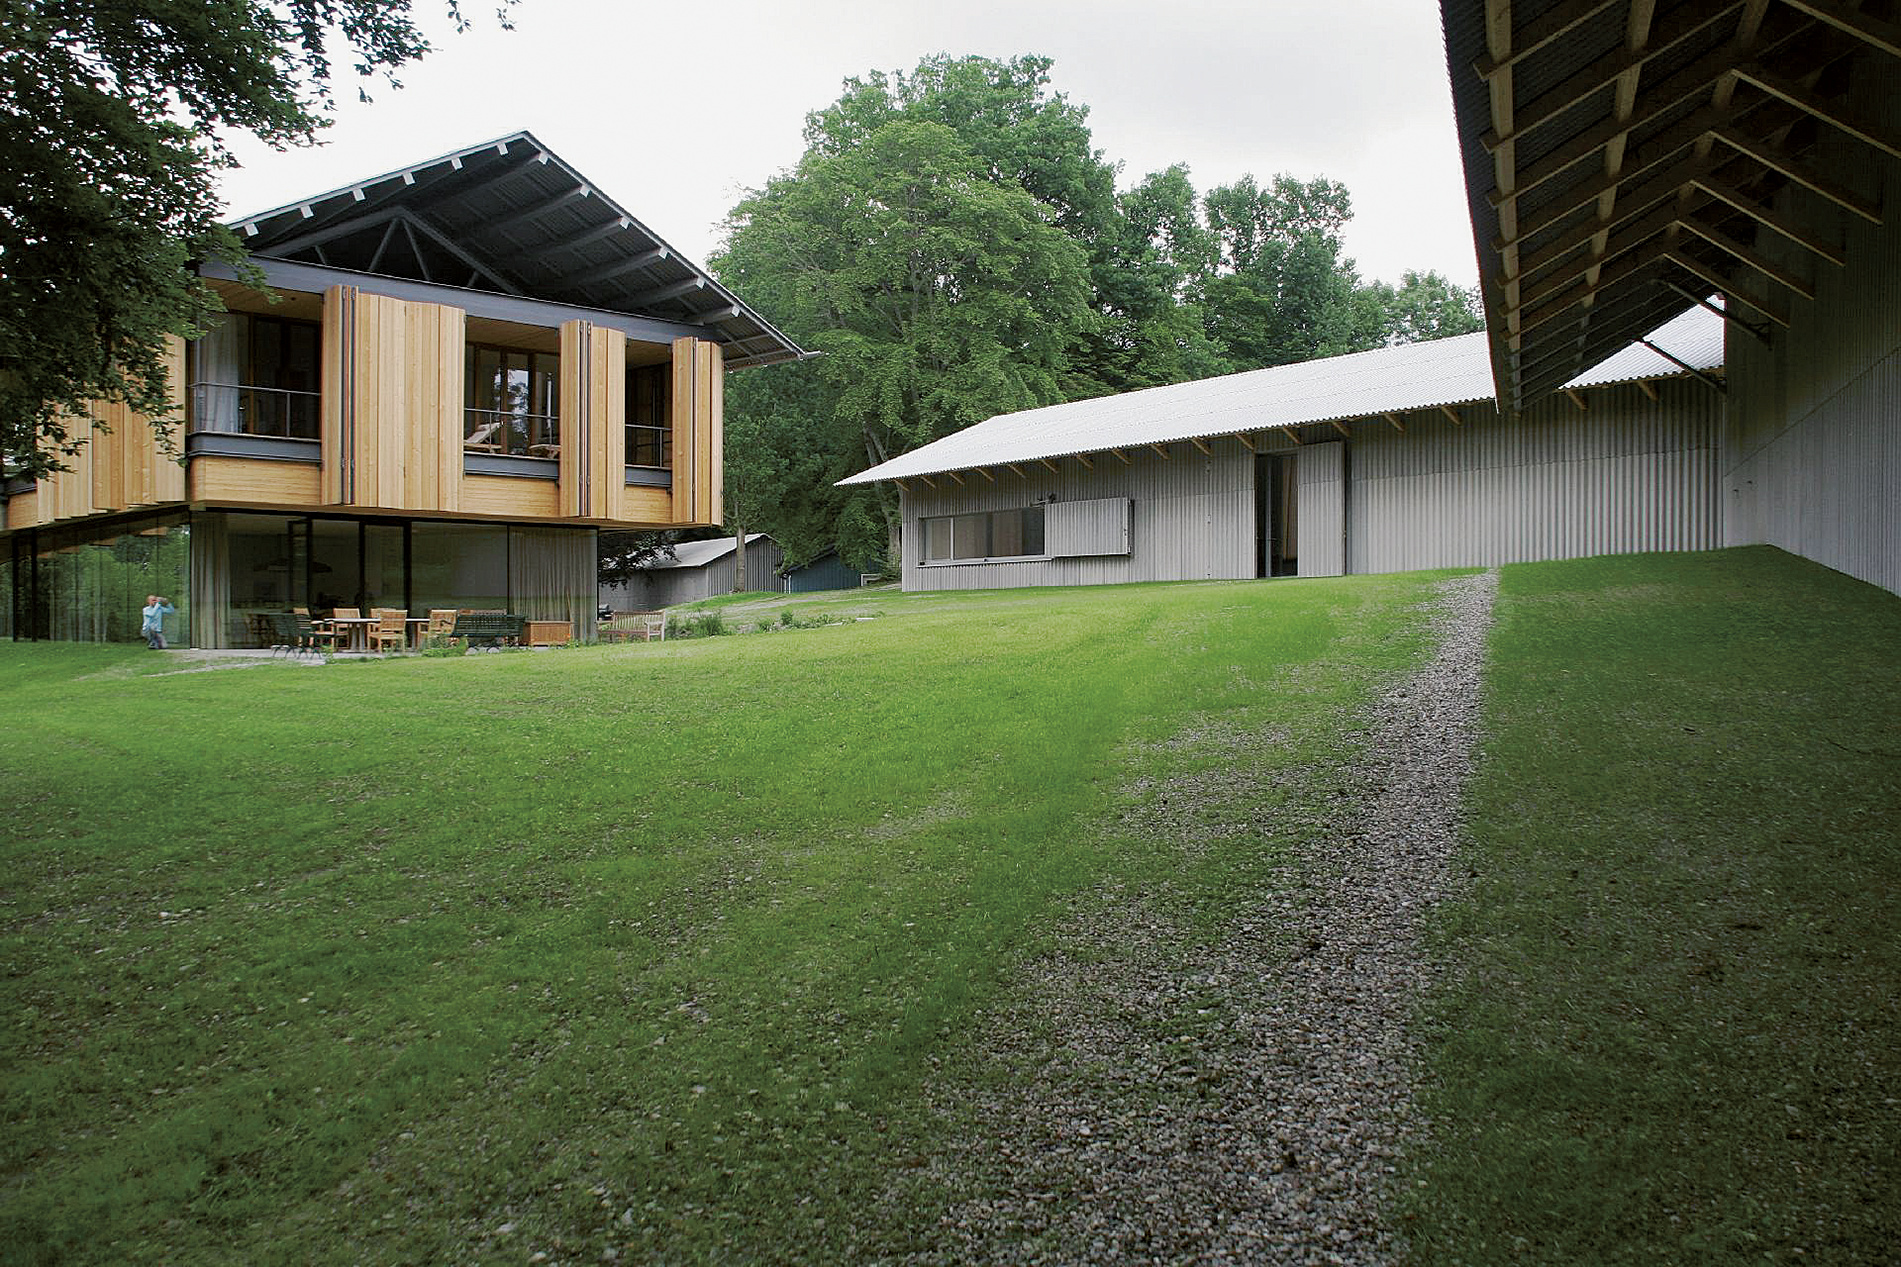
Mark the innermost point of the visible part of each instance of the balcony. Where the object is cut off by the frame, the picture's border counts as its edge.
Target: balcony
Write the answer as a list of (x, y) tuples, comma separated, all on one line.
[(244, 420)]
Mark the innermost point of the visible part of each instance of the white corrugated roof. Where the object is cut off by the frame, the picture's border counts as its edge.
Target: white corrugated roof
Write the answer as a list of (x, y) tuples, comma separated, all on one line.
[(1454, 371), (693, 554)]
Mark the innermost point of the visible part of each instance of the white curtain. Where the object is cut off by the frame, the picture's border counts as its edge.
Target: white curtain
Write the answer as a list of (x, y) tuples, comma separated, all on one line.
[(211, 615), (218, 369), (552, 575)]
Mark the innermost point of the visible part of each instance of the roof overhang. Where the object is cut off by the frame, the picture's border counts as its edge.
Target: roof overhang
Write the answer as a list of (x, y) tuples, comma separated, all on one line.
[(509, 217), (1626, 158)]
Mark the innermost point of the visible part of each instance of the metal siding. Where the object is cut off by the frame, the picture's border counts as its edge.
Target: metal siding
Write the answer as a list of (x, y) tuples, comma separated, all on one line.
[(1094, 527), (1191, 517), (1630, 474), (1812, 453), (1321, 490)]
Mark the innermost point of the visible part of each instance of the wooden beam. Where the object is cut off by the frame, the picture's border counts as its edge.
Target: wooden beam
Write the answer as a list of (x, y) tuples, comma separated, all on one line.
[(1246, 443), (1084, 459), (1054, 469), (1339, 426), (1291, 434), (1649, 388), (1761, 336), (1634, 197), (1828, 110), (954, 475), (1715, 281), (1016, 470), (1126, 459), (985, 472), (928, 482), (1451, 414), (1748, 255), (1161, 449), (901, 484), (1770, 218), (1680, 25), (1577, 398), (1540, 31), (1885, 36), (1196, 441), (1397, 424), (1799, 172)]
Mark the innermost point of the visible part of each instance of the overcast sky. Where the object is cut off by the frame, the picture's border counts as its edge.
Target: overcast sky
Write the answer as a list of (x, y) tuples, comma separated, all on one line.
[(676, 110)]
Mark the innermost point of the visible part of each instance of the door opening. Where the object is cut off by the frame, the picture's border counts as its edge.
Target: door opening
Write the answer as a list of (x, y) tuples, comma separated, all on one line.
[(1275, 506)]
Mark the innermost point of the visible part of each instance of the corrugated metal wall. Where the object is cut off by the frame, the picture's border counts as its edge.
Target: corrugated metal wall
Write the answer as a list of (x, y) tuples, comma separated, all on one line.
[(1320, 483), (1811, 457), (1192, 519), (1627, 474), (1098, 526)]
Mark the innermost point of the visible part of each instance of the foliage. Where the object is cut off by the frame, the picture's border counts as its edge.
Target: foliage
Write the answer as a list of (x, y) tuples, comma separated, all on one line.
[(1671, 1035), (117, 115), (624, 553), (955, 246)]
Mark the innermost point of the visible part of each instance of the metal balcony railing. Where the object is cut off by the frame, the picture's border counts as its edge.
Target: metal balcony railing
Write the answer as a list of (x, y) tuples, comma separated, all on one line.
[(241, 409)]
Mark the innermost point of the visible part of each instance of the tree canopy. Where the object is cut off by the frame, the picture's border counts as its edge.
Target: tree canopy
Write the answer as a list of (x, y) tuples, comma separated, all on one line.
[(115, 115), (956, 248)]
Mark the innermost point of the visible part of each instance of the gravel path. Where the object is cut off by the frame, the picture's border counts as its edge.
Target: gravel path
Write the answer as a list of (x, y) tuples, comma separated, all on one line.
[(1151, 1095)]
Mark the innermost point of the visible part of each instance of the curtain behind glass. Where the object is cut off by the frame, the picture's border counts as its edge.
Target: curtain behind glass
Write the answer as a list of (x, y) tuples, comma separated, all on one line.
[(217, 369), (552, 576), (210, 580)]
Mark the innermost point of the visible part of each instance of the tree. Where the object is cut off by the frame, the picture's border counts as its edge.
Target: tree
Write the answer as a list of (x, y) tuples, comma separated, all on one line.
[(938, 294), (1425, 306), (115, 116), (624, 553)]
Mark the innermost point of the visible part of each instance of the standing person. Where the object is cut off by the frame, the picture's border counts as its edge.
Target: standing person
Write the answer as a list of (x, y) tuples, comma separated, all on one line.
[(156, 610)]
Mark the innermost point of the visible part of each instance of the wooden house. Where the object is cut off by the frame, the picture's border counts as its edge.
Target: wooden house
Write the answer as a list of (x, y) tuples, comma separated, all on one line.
[(461, 371)]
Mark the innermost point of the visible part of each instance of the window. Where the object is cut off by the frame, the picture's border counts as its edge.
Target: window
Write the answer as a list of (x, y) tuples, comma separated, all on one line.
[(511, 405), (649, 424), (257, 376), (993, 534)]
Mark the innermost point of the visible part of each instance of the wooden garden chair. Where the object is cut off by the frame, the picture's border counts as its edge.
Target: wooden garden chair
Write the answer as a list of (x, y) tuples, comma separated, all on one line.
[(389, 627)]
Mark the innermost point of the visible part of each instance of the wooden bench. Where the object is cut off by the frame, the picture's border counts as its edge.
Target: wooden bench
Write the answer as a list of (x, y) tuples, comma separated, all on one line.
[(492, 628), (548, 633), (634, 626)]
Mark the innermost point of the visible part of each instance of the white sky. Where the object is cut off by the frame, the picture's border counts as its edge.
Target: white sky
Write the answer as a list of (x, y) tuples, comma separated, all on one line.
[(675, 110)]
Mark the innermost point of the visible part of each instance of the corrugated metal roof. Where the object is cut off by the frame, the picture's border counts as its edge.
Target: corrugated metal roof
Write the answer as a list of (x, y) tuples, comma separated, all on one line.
[(1454, 371), (695, 554), (510, 216)]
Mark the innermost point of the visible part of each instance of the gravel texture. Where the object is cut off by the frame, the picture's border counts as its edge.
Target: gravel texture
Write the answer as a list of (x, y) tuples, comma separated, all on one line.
[(1153, 1091)]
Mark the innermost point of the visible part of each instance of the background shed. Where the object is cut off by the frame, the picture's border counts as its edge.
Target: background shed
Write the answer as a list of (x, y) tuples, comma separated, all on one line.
[(699, 569)]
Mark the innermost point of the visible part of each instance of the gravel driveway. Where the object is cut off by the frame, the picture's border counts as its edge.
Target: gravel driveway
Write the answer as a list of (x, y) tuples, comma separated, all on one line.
[(1150, 1094)]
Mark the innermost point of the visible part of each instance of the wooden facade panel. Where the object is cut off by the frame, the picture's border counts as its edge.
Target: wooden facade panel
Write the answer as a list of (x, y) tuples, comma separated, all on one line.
[(512, 498), (699, 431), (392, 406), (593, 420), (119, 466), (23, 510), (256, 482), (648, 507)]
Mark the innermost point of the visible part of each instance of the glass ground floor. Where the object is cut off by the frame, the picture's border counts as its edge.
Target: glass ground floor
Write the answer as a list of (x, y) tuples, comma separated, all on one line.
[(227, 573)]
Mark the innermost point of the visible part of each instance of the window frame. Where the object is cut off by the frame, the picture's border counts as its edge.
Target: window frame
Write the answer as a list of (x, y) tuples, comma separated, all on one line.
[(1039, 536)]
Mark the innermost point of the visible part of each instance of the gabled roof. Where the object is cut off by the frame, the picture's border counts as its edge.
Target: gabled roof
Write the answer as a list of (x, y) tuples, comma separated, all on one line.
[(1454, 371), (1622, 160), (697, 554), (509, 216)]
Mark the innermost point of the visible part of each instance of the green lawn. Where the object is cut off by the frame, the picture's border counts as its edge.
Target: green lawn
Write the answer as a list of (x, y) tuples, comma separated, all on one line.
[(1677, 1035), (651, 947), (644, 947)]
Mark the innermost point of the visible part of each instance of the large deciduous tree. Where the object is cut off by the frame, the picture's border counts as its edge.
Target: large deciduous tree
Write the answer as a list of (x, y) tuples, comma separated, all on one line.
[(114, 114), (937, 288)]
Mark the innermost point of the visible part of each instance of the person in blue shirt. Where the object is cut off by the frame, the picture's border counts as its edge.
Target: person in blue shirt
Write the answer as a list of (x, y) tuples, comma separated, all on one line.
[(156, 610)]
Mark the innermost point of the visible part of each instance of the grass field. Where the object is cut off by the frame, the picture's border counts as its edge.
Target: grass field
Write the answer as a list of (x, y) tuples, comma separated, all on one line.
[(638, 947), (1677, 1032), (651, 948)]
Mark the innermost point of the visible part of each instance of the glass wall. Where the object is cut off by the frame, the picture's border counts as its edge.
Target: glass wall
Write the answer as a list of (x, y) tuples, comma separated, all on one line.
[(257, 376), (511, 404), (458, 565), (230, 574), (90, 584), (649, 424)]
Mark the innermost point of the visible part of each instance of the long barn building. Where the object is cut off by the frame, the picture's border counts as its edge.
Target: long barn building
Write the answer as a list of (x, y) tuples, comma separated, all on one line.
[(1379, 461)]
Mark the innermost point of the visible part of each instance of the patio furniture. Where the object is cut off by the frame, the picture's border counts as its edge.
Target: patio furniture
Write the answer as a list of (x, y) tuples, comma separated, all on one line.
[(635, 626), (547, 633), (441, 621), (390, 627), (352, 630), (482, 439), (489, 628)]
